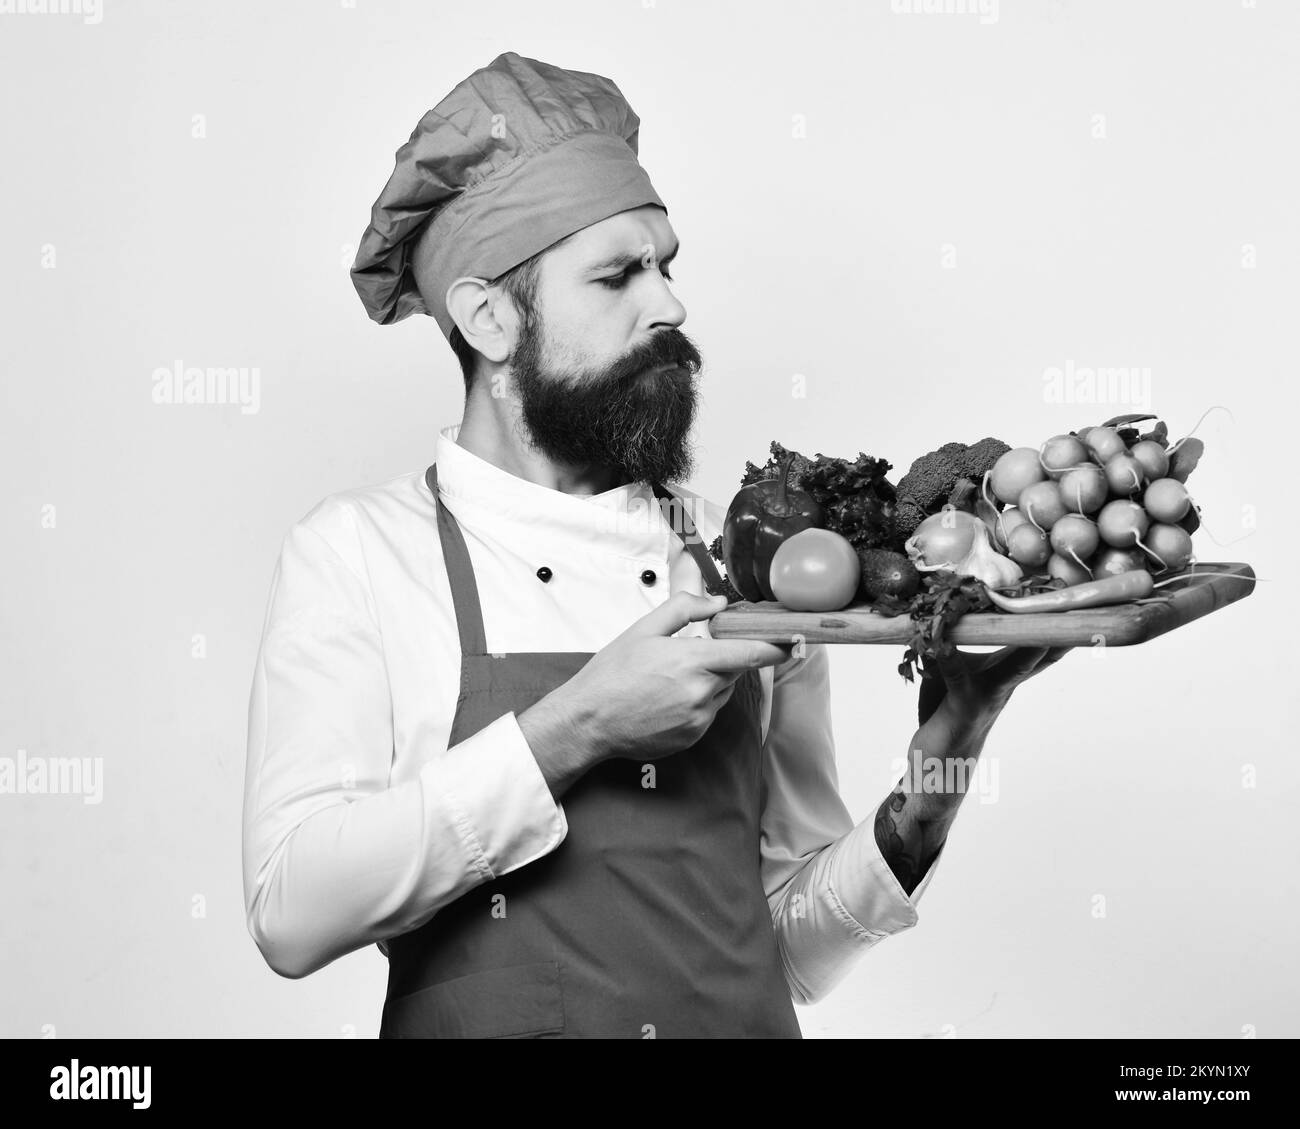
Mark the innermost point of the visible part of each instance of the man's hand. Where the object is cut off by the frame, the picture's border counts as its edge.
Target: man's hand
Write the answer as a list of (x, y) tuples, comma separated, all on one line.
[(645, 695), (960, 699), (975, 687)]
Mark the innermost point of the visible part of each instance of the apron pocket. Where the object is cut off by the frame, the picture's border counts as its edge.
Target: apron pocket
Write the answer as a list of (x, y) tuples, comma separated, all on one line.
[(524, 999)]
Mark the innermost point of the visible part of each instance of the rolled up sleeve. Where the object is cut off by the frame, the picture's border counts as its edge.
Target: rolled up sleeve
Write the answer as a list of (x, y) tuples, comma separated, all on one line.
[(335, 857), (831, 894)]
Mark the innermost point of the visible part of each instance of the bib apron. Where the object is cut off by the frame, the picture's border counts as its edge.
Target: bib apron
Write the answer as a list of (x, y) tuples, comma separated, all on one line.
[(648, 920)]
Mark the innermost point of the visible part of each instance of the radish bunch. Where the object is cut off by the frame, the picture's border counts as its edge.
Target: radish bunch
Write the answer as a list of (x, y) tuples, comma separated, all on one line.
[(1098, 502)]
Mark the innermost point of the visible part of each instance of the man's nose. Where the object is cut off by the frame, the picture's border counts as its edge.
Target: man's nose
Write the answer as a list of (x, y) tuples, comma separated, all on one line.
[(666, 308)]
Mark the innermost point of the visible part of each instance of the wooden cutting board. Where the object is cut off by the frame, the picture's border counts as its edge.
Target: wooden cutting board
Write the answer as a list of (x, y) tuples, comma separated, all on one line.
[(1122, 625)]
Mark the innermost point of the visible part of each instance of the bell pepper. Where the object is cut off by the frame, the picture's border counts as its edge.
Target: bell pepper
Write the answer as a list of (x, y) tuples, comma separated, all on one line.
[(761, 517)]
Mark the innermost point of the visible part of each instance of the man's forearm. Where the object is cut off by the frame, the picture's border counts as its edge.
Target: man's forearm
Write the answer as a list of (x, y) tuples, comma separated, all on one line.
[(563, 745), (912, 823)]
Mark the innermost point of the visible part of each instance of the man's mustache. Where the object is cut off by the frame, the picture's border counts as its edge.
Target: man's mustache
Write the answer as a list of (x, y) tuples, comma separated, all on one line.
[(669, 347)]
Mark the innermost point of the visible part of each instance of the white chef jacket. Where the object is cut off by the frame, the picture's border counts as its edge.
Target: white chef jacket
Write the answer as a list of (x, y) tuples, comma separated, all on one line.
[(360, 822)]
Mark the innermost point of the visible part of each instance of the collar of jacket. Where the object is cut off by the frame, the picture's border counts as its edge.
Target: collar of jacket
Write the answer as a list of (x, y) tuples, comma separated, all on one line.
[(625, 521)]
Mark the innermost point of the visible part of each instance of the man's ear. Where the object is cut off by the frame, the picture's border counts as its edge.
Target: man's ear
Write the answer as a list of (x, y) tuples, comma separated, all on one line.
[(472, 305)]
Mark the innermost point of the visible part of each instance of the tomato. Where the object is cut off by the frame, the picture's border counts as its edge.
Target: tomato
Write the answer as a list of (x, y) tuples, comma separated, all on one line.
[(815, 571)]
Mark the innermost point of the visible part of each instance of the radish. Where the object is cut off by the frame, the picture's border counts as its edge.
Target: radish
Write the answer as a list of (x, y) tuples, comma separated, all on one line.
[(1152, 457), (1122, 523), (1123, 474), (1042, 504), (1112, 562), (1007, 520), (1075, 538), (1084, 489), (1027, 545), (1167, 500), (1060, 453), (1015, 470), (1072, 572), (1104, 443), (1169, 546)]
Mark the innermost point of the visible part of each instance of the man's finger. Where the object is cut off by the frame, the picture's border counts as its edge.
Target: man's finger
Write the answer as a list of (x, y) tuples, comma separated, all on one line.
[(1018, 662), (676, 612), (720, 698), (955, 670), (1054, 654), (726, 655)]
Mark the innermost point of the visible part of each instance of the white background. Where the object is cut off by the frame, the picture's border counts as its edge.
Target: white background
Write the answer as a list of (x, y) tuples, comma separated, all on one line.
[(823, 255)]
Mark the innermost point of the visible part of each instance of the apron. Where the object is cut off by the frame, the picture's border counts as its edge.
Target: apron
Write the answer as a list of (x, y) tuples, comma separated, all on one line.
[(648, 920)]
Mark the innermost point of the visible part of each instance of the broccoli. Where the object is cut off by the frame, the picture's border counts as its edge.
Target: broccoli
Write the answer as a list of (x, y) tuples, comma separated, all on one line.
[(951, 474)]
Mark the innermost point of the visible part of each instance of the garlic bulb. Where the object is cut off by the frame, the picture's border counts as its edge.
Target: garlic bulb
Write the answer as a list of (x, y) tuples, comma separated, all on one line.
[(985, 563)]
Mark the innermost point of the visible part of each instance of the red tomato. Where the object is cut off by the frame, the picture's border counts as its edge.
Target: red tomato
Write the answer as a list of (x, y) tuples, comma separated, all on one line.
[(815, 571)]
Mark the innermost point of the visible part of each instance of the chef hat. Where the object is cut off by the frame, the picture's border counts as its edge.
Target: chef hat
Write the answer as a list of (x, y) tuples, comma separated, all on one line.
[(517, 156)]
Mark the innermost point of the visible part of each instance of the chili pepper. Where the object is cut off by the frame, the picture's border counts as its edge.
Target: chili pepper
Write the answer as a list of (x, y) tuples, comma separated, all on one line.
[(1094, 594), (762, 516)]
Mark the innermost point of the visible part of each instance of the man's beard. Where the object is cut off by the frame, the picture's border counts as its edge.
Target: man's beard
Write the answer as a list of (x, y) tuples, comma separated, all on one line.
[(626, 417)]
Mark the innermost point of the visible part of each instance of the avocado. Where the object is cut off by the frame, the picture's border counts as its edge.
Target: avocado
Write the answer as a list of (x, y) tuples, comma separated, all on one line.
[(885, 573)]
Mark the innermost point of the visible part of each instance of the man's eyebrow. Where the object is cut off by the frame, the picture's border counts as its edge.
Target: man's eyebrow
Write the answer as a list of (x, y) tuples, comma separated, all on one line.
[(626, 258)]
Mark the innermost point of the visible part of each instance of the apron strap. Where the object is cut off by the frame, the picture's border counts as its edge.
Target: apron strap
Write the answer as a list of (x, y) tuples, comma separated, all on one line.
[(464, 588), (671, 505)]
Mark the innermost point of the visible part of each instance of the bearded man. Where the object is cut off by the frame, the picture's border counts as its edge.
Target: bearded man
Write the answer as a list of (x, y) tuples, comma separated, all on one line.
[(489, 730)]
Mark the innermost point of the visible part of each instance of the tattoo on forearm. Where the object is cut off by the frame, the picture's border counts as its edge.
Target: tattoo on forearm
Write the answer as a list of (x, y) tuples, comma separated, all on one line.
[(903, 856)]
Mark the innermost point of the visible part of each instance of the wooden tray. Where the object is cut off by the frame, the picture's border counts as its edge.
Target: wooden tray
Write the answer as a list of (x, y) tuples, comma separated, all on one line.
[(1119, 626)]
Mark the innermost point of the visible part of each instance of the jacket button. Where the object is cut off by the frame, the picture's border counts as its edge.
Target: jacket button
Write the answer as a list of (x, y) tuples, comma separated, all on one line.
[(543, 574), (648, 577)]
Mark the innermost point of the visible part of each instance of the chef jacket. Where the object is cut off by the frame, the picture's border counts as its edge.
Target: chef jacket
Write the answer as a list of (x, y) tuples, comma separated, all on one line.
[(360, 822)]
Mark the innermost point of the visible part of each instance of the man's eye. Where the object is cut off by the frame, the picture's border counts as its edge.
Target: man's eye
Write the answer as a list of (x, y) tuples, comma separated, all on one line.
[(618, 281)]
